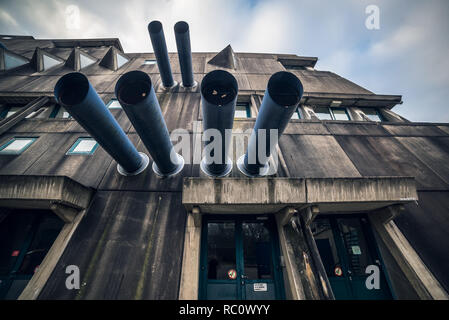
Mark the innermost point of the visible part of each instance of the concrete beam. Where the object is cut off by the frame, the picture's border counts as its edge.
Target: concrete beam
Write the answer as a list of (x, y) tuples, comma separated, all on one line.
[(242, 194), (309, 214), (188, 287), (361, 189), (264, 195), (285, 215), (294, 287)]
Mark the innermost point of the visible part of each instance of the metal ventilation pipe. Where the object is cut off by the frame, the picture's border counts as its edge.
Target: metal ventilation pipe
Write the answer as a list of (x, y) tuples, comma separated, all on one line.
[(184, 53), (160, 51), (135, 93), (74, 92), (218, 99), (283, 93)]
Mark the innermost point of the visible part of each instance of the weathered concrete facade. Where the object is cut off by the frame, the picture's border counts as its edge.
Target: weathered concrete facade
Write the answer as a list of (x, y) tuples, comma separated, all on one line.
[(139, 237)]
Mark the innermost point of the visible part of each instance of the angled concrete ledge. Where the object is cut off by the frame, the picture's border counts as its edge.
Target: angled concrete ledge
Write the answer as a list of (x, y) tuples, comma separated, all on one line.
[(58, 193), (262, 195), (67, 198)]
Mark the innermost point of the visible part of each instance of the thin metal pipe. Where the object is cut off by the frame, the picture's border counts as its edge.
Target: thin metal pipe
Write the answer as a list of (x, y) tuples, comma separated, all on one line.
[(160, 51), (135, 93), (184, 53), (74, 92)]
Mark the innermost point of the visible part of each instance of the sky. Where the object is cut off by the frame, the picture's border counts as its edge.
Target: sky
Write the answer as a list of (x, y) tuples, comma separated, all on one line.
[(406, 55)]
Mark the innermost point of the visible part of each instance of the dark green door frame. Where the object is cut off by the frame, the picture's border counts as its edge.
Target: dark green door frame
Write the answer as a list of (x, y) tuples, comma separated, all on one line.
[(241, 282), (349, 282)]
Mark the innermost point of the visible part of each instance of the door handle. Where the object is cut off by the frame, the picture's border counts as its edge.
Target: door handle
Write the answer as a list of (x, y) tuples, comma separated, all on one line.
[(243, 277)]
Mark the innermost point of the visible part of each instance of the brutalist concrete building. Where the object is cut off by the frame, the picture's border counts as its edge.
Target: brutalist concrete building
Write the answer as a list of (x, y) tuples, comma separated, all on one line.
[(355, 205)]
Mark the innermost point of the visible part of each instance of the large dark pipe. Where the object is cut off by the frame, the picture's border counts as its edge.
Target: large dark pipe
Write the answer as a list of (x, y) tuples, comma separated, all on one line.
[(218, 98), (283, 93), (160, 51), (135, 93), (74, 92), (184, 53)]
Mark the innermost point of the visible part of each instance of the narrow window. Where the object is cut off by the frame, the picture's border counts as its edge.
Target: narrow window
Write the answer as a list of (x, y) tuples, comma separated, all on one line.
[(16, 145), (50, 62), (294, 67), (340, 114), (296, 115), (114, 104), (242, 110), (373, 114), (12, 61), (85, 61), (121, 60), (83, 146), (11, 111), (149, 62), (323, 113), (60, 113)]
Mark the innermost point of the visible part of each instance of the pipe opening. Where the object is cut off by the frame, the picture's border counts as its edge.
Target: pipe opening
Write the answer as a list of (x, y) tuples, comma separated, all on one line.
[(181, 27), (155, 26), (71, 89), (133, 87), (285, 88), (219, 87)]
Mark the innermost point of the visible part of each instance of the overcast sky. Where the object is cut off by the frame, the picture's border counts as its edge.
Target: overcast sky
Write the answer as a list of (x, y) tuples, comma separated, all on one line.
[(408, 55)]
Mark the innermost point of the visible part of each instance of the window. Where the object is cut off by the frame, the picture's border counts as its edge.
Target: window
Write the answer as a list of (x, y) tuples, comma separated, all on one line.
[(373, 114), (13, 61), (113, 104), (49, 62), (296, 115), (60, 113), (83, 146), (326, 113), (294, 67), (11, 111), (16, 145), (85, 61), (121, 60), (26, 237), (149, 62), (323, 113), (340, 114), (242, 110)]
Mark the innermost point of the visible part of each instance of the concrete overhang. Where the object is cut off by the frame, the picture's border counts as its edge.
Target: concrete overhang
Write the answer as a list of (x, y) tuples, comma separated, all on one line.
[(268, 195), (60, 194), (352, 100)]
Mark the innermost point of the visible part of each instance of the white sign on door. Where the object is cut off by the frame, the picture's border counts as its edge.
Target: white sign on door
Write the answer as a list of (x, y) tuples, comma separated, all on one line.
[(260, 287)]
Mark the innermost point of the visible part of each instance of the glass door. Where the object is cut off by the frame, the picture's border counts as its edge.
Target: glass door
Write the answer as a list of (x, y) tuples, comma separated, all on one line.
[(240, 259), (347, 248), (25, 238)]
